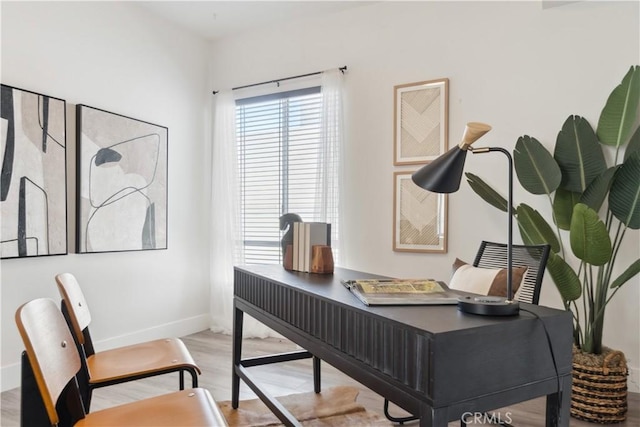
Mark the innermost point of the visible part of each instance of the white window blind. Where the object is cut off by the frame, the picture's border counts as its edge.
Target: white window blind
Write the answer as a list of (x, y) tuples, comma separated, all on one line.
[(279, 148)]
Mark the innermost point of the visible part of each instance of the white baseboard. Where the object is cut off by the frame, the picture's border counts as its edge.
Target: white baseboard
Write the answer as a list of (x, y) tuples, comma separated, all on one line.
[(178, 328), (10, 377), (10, 374)]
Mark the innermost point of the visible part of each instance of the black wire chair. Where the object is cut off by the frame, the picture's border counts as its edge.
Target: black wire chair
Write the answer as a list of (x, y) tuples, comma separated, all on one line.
[(494, 255)]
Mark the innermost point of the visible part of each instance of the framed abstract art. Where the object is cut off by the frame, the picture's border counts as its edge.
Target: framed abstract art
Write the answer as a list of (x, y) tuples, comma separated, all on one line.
[(122, 182), (33, 187), (419, 217), (421, 121)]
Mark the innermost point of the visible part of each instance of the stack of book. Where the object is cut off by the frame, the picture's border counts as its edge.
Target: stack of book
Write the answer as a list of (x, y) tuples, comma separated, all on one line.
[(305, 236)]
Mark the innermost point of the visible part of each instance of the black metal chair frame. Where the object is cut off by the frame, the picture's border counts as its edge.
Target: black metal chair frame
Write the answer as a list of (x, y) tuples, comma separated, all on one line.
[(494, 255)]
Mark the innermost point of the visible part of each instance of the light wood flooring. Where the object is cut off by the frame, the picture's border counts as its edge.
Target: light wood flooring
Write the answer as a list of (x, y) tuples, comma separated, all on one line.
[(212, 352)]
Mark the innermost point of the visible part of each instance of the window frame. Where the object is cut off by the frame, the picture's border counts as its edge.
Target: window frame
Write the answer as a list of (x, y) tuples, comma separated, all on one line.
[(283, 159)]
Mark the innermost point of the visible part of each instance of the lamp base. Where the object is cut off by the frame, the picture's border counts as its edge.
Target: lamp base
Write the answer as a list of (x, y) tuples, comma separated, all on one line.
[(488, 306)]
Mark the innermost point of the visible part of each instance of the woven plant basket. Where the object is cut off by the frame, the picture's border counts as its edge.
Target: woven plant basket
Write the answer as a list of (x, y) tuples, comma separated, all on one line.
[(599, 387)]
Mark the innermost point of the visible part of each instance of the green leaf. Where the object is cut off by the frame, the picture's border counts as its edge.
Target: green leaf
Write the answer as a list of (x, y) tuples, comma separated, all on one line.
[(579, 154), (624, 197), (564, 277), (534, 229), (487, 193), (599, 188), (621, 110), (628, 274), (589, 238), (634, 144), (536, 168), (563, 203)]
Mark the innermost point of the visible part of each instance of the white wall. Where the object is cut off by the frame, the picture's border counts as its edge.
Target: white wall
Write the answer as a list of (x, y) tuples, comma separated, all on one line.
[(515, 65), (114, 56)]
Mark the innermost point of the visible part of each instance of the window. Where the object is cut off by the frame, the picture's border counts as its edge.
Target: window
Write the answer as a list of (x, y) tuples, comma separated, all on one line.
[(280, 153)]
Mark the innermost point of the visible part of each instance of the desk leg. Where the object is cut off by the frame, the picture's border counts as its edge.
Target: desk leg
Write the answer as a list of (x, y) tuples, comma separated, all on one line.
[(559, 404), (236, 356), (430, 417), (316, 374)]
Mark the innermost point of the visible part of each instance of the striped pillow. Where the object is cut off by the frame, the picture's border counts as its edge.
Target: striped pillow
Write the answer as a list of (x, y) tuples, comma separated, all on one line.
[(484, 281)]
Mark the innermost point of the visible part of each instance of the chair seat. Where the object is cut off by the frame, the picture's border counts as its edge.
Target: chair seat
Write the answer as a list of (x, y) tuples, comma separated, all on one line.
[(144, 359), (192, 407)]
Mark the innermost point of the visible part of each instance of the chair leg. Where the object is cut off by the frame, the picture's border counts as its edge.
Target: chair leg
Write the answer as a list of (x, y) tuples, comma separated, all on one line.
[(194, 378), (32, 409), (399, 420)]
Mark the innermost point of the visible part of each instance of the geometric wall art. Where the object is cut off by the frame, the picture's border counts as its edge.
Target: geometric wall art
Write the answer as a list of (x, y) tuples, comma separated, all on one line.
[(122, 182), (419, 217), (33, 187), (421, 121)]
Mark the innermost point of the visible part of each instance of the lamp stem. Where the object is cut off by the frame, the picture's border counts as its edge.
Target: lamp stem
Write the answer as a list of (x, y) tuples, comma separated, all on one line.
[(510, 216)]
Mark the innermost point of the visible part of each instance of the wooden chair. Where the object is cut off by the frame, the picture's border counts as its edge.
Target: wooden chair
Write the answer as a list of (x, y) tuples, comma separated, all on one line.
[(129, 363), (54, 361), (494, 255)]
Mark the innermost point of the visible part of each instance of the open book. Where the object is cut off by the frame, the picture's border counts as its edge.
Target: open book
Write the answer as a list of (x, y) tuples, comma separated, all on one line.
[(401, 291)]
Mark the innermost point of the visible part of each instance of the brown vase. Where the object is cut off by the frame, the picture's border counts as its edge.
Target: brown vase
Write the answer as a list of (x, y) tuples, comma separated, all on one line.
[(321, 259), (599, 386)]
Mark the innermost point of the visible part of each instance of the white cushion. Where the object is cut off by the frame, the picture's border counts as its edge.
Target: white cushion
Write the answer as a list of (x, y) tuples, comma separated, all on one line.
[(484, 281)]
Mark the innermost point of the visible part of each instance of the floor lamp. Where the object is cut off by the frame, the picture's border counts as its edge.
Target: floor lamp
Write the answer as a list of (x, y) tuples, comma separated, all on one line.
[(443, 175)]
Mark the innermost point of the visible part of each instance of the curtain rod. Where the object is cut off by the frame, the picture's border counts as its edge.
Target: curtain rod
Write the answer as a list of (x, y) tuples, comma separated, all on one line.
[(277, 81)]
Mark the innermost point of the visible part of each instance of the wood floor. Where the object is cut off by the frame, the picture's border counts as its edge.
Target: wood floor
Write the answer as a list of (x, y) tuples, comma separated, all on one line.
[(212, 352)]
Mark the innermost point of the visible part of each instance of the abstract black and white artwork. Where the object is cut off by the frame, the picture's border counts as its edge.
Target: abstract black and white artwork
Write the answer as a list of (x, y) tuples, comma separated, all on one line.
[(33, 187), (122, 182)]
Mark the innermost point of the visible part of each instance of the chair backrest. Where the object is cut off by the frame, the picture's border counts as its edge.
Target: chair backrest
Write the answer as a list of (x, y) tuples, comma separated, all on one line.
[(494, 255), (50, 349), (77, 308)]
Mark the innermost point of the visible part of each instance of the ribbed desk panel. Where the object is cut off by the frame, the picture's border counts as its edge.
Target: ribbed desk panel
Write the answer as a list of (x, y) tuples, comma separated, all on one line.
[(391, 350)]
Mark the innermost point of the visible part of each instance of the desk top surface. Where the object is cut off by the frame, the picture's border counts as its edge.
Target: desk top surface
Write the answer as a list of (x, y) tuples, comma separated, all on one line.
[(435, 319)]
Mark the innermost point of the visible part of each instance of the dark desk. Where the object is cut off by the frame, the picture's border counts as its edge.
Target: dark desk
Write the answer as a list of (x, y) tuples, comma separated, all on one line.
[(433, 361)]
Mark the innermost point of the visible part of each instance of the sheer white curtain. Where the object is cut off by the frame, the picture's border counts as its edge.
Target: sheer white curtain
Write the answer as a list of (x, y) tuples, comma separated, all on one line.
[(330, 170), (225, 213), (226, 249)]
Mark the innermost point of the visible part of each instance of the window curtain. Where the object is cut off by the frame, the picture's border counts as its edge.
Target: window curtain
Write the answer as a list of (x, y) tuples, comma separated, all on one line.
[(226, 249), (225, 240), (328, 194)]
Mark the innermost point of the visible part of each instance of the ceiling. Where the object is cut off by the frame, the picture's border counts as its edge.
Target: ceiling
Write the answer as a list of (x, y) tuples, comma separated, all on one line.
[(214, 20)]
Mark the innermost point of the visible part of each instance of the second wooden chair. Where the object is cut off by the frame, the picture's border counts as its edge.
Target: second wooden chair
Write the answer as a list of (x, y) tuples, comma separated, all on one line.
[(123, 364)]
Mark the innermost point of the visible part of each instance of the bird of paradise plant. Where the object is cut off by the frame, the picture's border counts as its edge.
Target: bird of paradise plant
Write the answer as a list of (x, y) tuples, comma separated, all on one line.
[(576, 181)]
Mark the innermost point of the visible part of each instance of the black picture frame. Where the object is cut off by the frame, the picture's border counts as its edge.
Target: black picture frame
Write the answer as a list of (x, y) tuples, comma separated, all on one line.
[(33, 187), (122, 184)]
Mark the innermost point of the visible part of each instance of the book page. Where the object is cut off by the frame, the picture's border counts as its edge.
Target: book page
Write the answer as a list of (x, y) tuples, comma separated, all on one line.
[(399, 286)]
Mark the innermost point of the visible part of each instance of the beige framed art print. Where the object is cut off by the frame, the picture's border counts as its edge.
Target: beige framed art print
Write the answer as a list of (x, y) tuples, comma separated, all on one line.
[(421, 121), (419, 217)]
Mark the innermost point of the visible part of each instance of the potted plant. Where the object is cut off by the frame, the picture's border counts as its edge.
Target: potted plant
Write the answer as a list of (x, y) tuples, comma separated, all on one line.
[(597, 204)]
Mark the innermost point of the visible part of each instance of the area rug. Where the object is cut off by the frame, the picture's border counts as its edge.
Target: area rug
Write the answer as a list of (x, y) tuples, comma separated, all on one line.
[(335, 406)]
